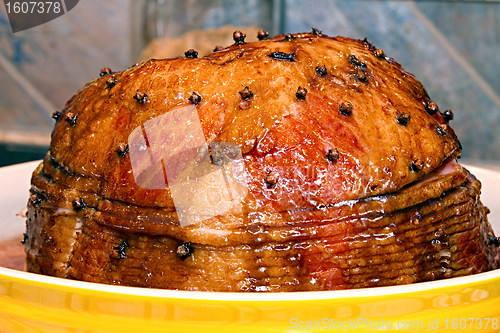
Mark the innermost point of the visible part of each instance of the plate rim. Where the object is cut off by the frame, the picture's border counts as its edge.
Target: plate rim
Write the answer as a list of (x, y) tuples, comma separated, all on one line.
[(361, 293)]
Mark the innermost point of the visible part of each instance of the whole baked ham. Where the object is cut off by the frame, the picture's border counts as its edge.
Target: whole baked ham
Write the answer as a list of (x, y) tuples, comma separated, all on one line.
[(299, 162)]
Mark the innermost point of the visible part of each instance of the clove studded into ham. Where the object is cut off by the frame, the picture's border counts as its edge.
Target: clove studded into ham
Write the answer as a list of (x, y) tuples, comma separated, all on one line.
[(299, 162)]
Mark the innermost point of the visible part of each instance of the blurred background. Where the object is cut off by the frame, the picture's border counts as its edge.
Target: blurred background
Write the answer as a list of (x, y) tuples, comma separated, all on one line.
[(453, 47)]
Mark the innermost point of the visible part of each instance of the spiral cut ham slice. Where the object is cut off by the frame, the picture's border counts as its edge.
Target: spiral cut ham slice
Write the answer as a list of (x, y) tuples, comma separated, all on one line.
[(296, 163), (432, 229)]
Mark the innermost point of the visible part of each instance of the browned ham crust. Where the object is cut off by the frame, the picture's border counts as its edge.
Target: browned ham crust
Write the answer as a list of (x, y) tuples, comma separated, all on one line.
[(348, 176)]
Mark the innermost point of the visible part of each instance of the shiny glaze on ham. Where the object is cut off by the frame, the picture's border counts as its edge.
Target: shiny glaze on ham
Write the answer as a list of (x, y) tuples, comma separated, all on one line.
[(275, 130), (349, 181)]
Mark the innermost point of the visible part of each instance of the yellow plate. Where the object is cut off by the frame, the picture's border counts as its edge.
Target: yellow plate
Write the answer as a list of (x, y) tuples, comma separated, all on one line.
[(35, 303)]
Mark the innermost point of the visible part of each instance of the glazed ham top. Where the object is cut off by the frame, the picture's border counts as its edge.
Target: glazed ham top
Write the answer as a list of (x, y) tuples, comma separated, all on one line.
[(296, 163), (336, 106)]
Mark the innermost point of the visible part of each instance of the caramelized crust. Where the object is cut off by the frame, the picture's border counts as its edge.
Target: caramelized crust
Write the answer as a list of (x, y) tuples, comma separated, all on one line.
[(275, 130), (347, 176)]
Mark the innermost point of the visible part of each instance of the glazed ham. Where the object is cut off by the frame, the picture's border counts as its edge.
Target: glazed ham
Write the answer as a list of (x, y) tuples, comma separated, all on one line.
[(299, 162)]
